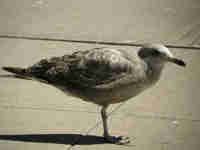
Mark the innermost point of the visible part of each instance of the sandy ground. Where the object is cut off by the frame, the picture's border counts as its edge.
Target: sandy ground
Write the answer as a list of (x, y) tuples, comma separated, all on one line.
[(38, 116)]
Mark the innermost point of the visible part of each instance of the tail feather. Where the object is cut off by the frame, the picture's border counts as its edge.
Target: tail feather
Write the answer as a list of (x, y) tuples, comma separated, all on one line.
[(21, 73), (16, 70)]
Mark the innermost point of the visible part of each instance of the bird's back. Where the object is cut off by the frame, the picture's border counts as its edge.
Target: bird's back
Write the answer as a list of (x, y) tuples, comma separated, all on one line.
[(87, 68)]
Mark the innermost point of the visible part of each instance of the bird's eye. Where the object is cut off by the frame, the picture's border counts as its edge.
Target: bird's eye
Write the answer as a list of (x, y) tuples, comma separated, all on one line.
[(148, 53), (155, 53)]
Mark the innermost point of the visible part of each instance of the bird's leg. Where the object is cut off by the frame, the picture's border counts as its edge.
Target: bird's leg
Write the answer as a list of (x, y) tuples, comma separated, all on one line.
[(107, 136), (104, 119)]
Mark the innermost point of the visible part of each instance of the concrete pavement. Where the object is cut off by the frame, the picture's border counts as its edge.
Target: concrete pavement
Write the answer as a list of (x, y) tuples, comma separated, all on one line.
[(38, 116), (172, 21)]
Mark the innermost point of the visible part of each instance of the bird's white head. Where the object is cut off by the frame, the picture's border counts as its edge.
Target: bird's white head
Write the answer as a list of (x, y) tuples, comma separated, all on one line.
[(158, 53)]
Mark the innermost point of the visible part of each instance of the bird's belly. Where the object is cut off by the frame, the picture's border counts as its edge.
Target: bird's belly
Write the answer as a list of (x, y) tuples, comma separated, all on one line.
[(124, 94), (112, 96), (106, 96)]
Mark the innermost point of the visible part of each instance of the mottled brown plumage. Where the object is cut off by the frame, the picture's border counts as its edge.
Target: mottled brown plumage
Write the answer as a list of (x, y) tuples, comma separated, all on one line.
[(94, 75), (102, 76)]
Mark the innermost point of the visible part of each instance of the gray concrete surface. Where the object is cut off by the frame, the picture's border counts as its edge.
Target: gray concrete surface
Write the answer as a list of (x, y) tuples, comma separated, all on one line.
[(171, 21), (163, 118)]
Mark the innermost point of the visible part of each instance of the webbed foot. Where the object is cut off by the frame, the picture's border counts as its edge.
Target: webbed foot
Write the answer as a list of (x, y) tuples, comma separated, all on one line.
[(121, 140)]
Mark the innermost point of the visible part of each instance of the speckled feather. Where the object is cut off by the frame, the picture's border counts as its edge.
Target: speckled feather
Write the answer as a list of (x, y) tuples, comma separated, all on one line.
[(100, 75), (85, 68)]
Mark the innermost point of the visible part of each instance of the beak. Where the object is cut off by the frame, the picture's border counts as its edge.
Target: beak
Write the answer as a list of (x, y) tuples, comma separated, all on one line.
[(177, 61)]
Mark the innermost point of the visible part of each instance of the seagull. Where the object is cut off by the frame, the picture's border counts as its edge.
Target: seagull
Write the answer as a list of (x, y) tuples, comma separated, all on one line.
[(102, 76)]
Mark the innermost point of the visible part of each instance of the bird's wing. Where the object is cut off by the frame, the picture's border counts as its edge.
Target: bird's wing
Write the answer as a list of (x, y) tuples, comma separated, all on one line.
[(99, 66), (96, 67)]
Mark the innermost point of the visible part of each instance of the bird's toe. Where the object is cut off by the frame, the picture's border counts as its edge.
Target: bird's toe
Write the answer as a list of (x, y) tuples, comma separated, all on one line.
[(120, 140)]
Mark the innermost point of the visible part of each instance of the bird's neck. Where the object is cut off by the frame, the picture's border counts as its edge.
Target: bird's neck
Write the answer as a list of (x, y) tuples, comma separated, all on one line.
[(154, 70)]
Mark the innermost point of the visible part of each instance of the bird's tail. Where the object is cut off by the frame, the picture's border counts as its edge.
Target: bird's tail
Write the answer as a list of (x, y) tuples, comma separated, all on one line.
[(21, 73), (16, 70)]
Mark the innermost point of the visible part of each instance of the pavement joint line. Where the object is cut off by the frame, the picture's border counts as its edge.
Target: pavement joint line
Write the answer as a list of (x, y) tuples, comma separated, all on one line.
[(181, 47), (160, 117), (44, 109)]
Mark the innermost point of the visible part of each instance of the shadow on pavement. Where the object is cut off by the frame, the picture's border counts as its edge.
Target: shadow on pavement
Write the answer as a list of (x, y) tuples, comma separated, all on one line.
[(71, 139)]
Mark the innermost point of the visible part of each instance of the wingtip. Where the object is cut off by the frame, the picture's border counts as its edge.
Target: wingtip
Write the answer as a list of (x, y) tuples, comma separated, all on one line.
[(15, 70), (5, 68)]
